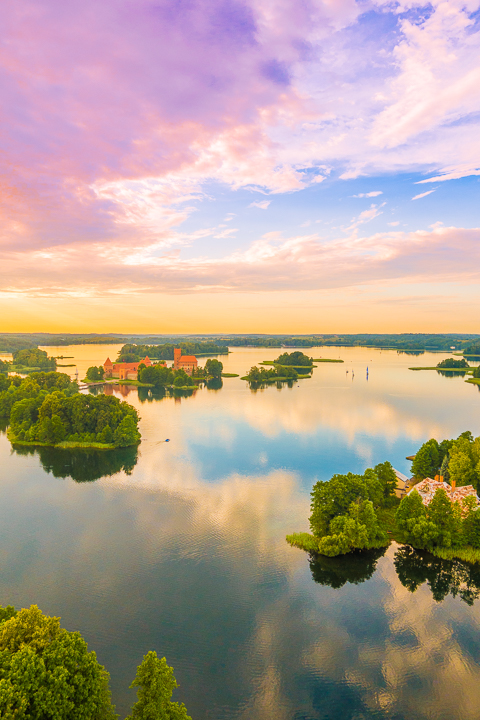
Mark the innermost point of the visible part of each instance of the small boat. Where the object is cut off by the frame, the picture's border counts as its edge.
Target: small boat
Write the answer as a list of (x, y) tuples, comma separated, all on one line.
[(167, 440)]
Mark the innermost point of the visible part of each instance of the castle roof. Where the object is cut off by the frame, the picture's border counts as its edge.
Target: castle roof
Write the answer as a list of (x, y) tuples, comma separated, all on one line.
[(107, 361), (187, 359)]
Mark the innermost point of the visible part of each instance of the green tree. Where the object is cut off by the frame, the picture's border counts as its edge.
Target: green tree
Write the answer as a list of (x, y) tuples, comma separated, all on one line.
[(387, 478), (126, 433), (471, 528), (446, 517), (460, 469), (95, 374), (214, 368), (47, 672), (427, 460), (411, 517), (156, 682)]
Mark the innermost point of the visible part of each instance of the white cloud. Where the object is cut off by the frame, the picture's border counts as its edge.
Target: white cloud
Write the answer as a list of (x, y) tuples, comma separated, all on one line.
[(395, 223), (374, 193), (262, 204), (429, 192)]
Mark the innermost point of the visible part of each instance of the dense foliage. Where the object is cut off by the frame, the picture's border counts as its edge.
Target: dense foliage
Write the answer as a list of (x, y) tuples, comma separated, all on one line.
[(473, 349), (343, 510), (213, 368), (33, 358), (161, 376), (453, 363), (47, 408), (133, 353), (156, 682), (456, 460), (47, 672), (264, 375), (296, 359), (95, 373), (441, 523)]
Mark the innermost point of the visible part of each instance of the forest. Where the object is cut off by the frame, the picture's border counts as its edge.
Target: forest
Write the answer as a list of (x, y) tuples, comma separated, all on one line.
[(47, 409)]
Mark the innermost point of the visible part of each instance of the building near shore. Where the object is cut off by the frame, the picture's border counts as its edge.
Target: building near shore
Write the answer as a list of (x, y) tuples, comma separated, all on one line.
[(402, 484), (189, 363), (124, 371), (428, 487)]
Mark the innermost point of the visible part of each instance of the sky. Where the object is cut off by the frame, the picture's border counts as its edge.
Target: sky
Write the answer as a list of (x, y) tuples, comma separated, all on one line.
[(240, 166)]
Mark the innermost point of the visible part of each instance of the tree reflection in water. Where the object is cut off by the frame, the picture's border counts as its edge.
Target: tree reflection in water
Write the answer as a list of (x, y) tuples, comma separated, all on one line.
[(443, 577), (83, 464), (355, 567)]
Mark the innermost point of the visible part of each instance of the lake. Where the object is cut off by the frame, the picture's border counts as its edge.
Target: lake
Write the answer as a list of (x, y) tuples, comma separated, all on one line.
[(180, 548)]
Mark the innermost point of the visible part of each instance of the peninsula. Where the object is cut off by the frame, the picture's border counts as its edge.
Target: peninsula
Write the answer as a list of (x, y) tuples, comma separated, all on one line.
[(438, 510)]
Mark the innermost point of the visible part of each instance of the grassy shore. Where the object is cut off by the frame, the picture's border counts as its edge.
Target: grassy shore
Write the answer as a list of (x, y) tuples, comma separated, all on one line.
[(463, 371), (474, 381), (467, 554), (327, 360), (64, 445), (230, 375), (386, 517)]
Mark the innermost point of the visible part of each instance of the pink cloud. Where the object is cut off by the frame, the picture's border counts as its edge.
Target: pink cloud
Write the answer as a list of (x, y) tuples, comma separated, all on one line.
[(305, 262)]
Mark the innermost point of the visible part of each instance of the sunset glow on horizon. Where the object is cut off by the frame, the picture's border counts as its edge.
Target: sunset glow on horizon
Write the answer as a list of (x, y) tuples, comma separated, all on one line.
[(210, 166)]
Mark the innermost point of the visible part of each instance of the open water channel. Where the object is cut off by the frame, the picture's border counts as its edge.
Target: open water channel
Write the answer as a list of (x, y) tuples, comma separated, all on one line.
[(181, 547)]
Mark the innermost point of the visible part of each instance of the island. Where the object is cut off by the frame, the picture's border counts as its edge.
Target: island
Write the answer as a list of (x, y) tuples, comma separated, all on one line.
[(438, 510), (28, 360), (46, 408), (449, 365), (288, 367)]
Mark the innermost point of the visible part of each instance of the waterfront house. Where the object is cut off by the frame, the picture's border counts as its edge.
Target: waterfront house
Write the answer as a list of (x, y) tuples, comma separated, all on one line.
[(428, 487)]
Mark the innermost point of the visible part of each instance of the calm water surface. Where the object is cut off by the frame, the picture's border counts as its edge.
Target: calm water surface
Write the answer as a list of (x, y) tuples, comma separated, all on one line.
[(180, 547)]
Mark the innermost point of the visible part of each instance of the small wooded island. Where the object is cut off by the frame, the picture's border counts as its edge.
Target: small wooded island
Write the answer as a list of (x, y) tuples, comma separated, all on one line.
[(439, 513), (46, 408), (287, 367)]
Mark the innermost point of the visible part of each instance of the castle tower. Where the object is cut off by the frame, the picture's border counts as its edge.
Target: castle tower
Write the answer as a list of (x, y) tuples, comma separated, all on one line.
[(177, 354)]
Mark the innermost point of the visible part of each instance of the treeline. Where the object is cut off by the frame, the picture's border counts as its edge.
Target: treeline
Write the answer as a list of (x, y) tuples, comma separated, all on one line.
[(344, 512), (47, 408), (48, 672), (456, 460), (11, 342), (473, 349), (133, 353)]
